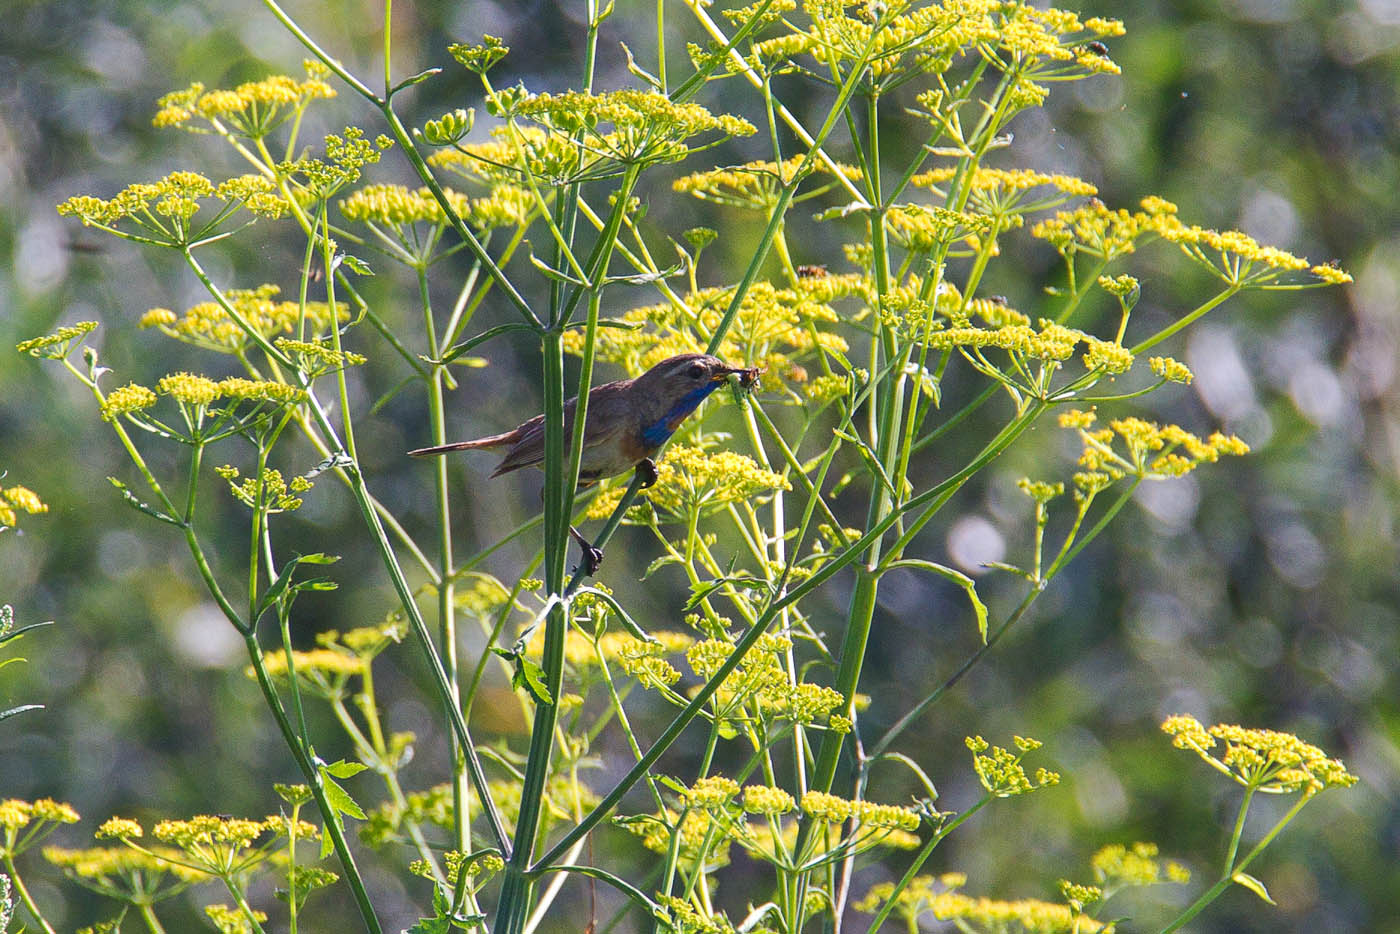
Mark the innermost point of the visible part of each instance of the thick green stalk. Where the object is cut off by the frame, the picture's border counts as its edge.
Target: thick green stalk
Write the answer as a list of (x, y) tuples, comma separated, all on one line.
[(517, 887)]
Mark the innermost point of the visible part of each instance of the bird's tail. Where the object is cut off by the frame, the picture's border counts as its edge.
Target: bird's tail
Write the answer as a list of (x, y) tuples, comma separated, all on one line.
[(491, 441)]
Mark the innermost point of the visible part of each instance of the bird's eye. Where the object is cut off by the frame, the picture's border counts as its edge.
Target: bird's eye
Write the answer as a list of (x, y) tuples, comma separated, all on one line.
[(696, 371)]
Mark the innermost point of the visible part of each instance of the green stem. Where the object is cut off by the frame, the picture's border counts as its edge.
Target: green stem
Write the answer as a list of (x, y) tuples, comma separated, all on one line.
[(1185, 321), (1226, 880), (149, 916), (25, 898), (312, 774)]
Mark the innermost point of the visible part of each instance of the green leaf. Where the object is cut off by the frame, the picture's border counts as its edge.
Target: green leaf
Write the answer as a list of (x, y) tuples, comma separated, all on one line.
[(529, 677), (1254, 885), (660, 563), (344, 769), (957, 577), (139, 506), (357, 265)]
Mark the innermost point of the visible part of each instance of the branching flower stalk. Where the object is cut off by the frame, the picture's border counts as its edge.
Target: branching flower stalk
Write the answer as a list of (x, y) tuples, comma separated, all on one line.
[(746, 521)]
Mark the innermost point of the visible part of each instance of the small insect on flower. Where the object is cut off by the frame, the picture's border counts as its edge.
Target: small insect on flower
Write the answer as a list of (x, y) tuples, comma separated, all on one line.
[(1097, 47), (813, 271)]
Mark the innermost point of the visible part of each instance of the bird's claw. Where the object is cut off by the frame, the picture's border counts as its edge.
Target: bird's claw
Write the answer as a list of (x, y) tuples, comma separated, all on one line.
[(646, 472), (591, 559), (591, 556)]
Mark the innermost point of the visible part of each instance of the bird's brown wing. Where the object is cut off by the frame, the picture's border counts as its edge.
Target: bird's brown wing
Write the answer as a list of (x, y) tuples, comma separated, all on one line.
[(609, 418)]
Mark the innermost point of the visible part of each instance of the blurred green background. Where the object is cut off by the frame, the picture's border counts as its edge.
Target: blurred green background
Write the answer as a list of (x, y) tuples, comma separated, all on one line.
[(1264, 591)]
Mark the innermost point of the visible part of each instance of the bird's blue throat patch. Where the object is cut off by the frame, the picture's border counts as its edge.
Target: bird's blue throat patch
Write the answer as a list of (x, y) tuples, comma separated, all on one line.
[(655, 434)]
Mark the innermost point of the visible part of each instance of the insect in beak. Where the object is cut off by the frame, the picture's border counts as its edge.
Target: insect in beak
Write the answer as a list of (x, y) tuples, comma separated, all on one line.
[(748, 376)]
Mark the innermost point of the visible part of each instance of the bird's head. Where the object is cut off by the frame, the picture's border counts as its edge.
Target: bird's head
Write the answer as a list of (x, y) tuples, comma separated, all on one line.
[(675, 387), (685, 376)]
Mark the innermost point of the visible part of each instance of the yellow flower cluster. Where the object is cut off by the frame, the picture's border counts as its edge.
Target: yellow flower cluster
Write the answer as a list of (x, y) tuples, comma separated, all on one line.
[(754, 185), (691, 479), (200, 391), (767, 800), (318, 357), (1119, 865), (252, 109), (773, 327), (1239, 259), (914, 898), (679, 916), (1173, 371), (189, 389), (57, 345), (394, 205), (509, 155), (641, 118), (479, 867), (1152, 450), (400, 207), (321, 665), (105, 865), (1264, 760), (347, 154), (711, 792), (178, 197), (644, 660), (17, 499), (1000, 770), (270, 492), (1028, 915), (207, 830), (15, 814), (1050, 342), (836, 810), (209, 326), (1007, 181), (1097, 230), (920, 227)]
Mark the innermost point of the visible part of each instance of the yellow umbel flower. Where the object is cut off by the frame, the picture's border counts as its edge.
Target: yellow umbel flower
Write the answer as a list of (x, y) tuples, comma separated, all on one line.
[(208, 325), (756, 185), (1263, 760), (129, 398), (14, 500), (189, 389), (253, 109), (690, 479), (57, 345), (1118, 865), (1000, 770)]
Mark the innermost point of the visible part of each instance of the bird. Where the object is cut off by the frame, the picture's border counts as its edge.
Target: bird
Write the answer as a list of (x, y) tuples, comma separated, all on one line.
[(628, 421)]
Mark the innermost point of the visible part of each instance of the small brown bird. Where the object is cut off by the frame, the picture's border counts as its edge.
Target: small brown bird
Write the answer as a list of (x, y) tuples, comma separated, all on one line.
[(628, 421)]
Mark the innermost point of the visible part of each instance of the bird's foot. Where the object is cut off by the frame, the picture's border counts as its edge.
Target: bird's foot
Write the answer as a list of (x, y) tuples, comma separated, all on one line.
[(646, 472), (591, 558)]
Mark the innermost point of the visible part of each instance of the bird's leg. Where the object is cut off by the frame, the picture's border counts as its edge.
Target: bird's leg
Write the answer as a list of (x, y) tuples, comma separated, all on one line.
[(592, 557), (646, 472)]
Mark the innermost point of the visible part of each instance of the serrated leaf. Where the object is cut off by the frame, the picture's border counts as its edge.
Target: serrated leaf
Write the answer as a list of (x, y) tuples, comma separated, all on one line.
[(339, 799), (1254, 885), (344, 769), (438, 925), (529, 677)]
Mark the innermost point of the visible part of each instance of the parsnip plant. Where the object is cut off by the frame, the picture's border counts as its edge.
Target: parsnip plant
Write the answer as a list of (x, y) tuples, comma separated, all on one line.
[(856, 350)]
